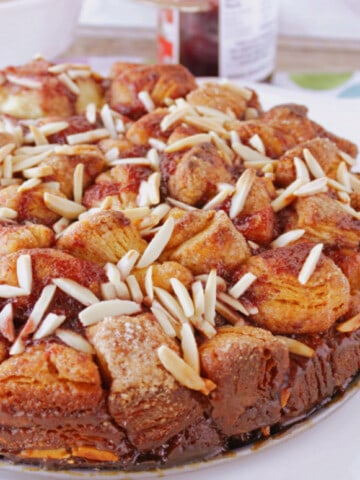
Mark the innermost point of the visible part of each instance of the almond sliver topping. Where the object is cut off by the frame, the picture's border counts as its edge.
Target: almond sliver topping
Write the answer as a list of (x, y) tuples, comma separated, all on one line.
[(69, 83), (312, 188), (312, 164), (62, 206), (243, 187), (17, 347), (301, 169), (182, 372), (7, 328), (39, 310), (149, 285), (8, 291), (24, 272), (127, 263), (171, 304), (229, 314), (287, 237), (146, 100), (297, 347), (108, 120), (75, 290), (349, 325), (108, 291), (48, 326), (78, 180), (88, 137), (164, 321), (198, 298), (233, 303), (90, 113), (248, 154), (134, 288), (189, 347), (157, 244), (8, 213), (210, 297), (74, 340), (256, 142), (310, 264), (242, 285), (6, 150), (108, 308), (183, 297), (188, 142)]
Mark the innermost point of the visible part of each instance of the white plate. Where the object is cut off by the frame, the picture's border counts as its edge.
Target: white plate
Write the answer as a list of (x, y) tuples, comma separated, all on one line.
[(325, 447)]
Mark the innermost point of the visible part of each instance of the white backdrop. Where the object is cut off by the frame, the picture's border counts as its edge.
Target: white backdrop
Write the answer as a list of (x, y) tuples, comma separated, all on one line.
[(315, 18)]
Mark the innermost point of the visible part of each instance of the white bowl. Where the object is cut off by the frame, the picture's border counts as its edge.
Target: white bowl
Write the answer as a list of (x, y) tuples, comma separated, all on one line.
[(29, 27)]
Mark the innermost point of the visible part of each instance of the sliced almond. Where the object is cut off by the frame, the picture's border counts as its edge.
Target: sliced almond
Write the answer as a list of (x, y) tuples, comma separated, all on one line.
[(233, 303), (248, 154), (189, 348), (297, 347), (182, 372), (170, 304), (146, 100), (39, 310), (312, 188), (127, 263), (7, 328), (90, 136), (90, 113), (48, 326), (24, 272), (8, 213), (301, 169), (287, 196), (107, 308), (38, 172), (114, 276), (349, 325), (62, 206), (78, 182), (229, 314), (108, 291), (8, 291), (198, 296), (134, 288), (342, 175), (348, 158), (219, 198), (182, 205), (310, 264), (17, 347), (242, 285), (108, 120), (75, 341), (287, 238), (6, 150), (210, 297), (80, 293), (312, 164), (149, 285), (183, 297), (203, 326), (256, 142), (188, 142), (69, 83), (157, 244), (243, 187), (164, 321), (29, 184)]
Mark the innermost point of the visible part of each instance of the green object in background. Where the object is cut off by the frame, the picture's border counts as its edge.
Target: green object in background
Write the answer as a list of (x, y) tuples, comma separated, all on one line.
[(320, 81)]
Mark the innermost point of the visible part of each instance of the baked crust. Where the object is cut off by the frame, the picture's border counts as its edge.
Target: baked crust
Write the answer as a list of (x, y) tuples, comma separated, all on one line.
[(179, 269)]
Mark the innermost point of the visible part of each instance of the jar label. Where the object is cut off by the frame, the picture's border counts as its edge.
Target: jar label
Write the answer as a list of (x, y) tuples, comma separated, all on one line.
[(247, 38), (168, 36)]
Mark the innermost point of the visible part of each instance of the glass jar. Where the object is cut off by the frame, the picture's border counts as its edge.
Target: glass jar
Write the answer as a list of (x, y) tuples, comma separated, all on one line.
[(227, 38)]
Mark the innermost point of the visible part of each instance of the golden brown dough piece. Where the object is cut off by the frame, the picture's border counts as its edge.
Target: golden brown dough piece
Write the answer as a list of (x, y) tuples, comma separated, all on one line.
[(34, 391), (257, 220), (218, 246), (121, 181), (30, 204), (148, 126), (144, 398), (349, 262), (17, 237), (285, 126), (48, 263), (325, 220), (103, 237), (196, 174), (31, 91), (225, 98), (162, 273), (162, 82), (324, 150), (287, 306), (63, 167), (248, 366), (292, 119)]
